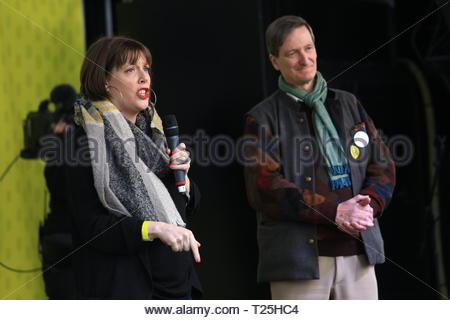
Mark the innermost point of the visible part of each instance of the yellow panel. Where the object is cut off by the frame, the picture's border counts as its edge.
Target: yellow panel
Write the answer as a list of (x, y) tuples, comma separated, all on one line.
[(41, 45)]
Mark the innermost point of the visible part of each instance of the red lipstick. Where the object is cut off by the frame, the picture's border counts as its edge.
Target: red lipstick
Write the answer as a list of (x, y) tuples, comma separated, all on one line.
[(143, 93)]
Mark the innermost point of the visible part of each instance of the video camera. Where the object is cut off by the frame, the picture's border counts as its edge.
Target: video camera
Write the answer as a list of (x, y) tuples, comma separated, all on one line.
[(39, 123)]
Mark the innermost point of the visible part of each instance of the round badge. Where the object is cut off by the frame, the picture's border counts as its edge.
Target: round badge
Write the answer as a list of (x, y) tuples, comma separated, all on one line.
[(354, 151), (361, 139)]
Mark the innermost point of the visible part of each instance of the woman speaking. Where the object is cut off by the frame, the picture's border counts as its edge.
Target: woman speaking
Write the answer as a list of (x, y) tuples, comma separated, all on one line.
[(129, 221)]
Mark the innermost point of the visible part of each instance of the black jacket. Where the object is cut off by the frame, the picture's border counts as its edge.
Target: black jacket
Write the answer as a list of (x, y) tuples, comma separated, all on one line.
[(111, 260)]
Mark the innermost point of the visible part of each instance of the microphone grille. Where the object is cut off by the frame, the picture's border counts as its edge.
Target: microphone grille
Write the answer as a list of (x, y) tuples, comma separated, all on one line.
[(170, 125), (169, 120)]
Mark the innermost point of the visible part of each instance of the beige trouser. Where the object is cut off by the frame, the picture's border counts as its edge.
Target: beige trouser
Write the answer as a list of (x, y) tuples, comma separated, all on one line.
[(341, 278)]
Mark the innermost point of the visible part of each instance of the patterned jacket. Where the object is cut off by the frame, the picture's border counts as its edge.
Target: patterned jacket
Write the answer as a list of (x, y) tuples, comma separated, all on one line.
[(280, 181)]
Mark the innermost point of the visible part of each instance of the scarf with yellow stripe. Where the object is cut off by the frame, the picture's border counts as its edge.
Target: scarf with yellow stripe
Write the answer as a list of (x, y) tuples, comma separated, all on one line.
[(127, 163)]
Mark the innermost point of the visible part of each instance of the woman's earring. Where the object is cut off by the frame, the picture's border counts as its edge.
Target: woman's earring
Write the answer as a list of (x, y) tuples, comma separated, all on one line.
[(153, 103)]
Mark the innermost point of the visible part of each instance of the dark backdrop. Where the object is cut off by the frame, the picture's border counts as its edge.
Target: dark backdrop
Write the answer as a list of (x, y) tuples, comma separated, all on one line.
[(210, 67)]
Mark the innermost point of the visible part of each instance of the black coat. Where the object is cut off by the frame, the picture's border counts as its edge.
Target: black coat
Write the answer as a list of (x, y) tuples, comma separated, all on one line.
[(112, 261)]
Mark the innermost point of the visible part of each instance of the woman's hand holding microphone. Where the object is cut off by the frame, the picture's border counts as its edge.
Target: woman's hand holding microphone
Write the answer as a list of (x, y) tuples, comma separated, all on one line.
[(178, 238), (180, 160)]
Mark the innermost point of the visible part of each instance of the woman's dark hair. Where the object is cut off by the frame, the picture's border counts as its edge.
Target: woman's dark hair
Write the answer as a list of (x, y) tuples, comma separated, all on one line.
[(280, 29), (102, 57)]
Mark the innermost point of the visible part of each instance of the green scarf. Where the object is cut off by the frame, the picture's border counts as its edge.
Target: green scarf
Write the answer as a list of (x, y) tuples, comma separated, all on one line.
[(326, 134)]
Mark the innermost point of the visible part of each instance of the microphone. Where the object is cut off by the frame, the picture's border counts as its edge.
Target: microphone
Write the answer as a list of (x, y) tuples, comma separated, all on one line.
[(170, 126)]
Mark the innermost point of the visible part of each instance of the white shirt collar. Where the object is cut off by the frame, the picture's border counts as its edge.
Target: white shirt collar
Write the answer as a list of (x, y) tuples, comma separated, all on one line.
[(297, 99)]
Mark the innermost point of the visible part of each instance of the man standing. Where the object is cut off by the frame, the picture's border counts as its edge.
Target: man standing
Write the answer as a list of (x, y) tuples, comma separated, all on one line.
[(319, 177)]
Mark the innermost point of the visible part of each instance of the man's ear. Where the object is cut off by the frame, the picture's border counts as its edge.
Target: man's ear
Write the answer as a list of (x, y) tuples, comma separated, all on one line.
[(274, 61)]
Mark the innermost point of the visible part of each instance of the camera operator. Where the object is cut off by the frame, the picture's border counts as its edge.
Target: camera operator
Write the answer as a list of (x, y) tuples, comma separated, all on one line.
[(55, 234)]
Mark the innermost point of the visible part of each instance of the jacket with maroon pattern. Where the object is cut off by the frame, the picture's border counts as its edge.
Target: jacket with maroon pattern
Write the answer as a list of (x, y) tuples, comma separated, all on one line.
[(280, 180)]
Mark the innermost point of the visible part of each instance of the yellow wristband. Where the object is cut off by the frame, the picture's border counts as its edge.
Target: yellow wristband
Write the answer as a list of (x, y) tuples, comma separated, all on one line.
[(144, 231)]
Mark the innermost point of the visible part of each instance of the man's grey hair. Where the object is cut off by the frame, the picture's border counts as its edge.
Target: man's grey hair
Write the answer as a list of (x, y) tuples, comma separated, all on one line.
[(279, 29)]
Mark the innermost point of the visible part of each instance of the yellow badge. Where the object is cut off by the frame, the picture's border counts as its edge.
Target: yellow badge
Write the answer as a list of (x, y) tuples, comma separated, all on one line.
[(354, 150)]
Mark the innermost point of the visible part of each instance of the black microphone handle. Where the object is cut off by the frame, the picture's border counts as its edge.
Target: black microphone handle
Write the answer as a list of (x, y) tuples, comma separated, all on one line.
[(180, 179)]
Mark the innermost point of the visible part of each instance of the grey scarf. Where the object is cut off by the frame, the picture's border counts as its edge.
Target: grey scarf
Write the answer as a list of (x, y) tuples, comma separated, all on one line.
[(127, 164)]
